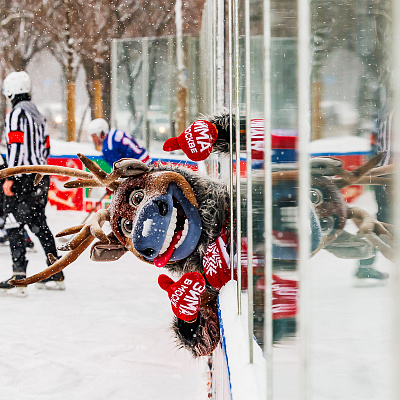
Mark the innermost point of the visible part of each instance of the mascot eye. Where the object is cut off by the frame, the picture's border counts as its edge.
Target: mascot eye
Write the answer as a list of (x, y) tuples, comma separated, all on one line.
[(125, 226), (136, 197), (316, 196), (327, 224)]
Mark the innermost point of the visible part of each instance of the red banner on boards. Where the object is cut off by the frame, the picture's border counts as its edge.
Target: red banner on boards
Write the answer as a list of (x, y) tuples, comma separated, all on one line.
[(59, 196)]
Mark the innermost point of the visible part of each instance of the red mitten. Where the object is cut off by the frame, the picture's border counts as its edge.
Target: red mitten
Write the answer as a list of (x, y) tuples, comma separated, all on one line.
[(184, 294), (216, 263), (196, 141)]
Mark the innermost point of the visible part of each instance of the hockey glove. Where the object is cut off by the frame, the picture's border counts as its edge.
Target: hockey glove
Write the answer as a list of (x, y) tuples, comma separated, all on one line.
[(184, 294), (196, 141)]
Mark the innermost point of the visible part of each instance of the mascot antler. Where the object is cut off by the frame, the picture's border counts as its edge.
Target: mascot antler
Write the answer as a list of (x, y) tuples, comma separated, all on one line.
[(125, 168), (86, 233)]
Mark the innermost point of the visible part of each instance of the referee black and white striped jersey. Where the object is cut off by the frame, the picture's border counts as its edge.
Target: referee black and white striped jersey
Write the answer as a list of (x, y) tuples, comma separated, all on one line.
[(27, 136)]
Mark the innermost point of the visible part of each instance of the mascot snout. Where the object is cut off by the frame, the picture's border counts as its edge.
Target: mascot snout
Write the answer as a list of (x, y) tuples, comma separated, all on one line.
[(167, 228)]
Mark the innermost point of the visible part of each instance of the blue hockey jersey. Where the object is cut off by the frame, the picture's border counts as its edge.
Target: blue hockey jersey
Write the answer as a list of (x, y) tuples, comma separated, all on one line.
[(117, 144)]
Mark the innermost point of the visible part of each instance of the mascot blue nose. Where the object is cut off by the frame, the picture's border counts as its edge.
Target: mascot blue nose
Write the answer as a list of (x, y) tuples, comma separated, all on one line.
[(163, 211), (151, 226)]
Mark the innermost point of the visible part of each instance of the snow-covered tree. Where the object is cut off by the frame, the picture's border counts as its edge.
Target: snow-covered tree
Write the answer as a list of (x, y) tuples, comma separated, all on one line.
[(79, 33), (20, 39), (20, 35), (59, 23)]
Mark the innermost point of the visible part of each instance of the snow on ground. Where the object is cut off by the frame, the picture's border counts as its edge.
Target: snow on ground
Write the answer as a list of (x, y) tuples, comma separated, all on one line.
[(105, 337)]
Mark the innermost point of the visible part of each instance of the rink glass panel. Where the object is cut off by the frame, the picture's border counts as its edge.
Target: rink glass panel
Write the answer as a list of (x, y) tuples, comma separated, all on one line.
[(344, 337), (144, 88), (342, 348)]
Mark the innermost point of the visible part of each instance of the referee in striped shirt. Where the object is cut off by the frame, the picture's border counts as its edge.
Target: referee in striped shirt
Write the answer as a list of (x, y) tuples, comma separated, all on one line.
[(27, 144)]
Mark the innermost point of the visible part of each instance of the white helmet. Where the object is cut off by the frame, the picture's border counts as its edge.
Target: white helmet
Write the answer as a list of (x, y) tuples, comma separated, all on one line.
[(96, 126), (16, 83)]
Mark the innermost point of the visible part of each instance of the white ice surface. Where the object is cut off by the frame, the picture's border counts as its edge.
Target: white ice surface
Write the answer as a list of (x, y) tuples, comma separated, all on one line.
[(105, 337)]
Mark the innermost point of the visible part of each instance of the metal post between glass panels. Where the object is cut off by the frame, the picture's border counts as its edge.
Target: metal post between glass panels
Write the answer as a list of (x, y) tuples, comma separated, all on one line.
[(304, 71), (237, 141), (268, 349), (212, 19), (220, 53), (230, 89), (395, 279), (249, 178), (114, 80), (145, 83), (171, 85)]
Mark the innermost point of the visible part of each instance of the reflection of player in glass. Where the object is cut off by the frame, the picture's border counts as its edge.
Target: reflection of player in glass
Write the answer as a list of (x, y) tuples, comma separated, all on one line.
[(115, 144), (381, 141)]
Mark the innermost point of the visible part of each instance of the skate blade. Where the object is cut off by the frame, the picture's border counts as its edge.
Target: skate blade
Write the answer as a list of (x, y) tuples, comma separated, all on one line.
[(369, 282), (18, 291), (51, 285)]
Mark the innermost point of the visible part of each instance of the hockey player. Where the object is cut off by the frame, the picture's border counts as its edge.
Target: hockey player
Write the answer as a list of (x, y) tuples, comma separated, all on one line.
[(28, 143), (115, 144)]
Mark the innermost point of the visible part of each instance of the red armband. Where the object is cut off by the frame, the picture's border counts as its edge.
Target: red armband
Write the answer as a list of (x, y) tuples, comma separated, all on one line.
[(15, 137)]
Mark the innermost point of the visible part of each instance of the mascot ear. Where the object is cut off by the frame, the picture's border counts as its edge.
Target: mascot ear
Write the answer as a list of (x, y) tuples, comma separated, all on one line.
[(108, 251)]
